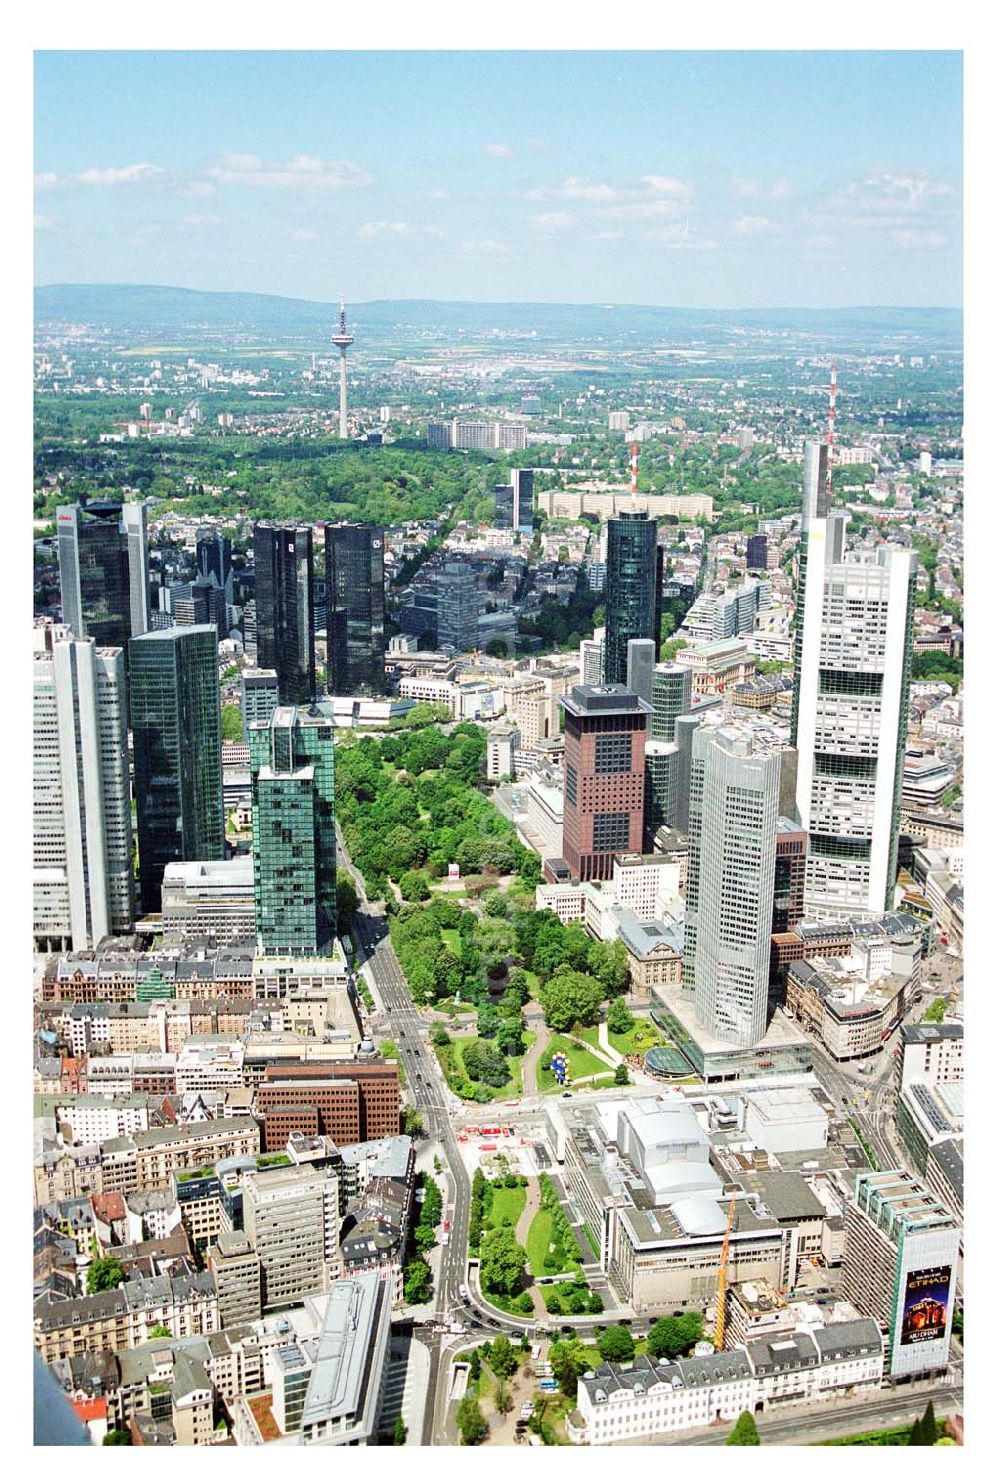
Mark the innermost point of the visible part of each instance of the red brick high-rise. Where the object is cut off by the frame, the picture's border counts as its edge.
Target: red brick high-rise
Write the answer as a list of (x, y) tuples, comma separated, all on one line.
[(605, 775)]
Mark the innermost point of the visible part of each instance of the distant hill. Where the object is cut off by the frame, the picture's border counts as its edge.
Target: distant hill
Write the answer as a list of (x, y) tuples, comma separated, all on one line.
[(176, 309)]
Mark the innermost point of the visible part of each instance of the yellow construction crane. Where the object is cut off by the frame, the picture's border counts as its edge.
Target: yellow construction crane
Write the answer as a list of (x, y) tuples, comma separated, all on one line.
[(722, 1281)]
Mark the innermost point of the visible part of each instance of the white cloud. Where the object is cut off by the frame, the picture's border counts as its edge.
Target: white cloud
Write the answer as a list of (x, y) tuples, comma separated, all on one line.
[(126, 175), (754, 225), (303, 172), (753, 189), (580, 189), (488, 247), (198, 189), (500, 150), (662, 184), (194, 221), (549, 223), (46, 180), (305, 235), (373, 230), (44, 223), (437, 195), (642, 210), (820, 242), (895, 186)]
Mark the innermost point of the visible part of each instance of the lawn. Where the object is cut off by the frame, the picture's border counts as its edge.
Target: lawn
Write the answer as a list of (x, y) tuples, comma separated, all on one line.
[(453, 1066), (580, 1061), (508, 1204), (637, 1041), (452, 939), (537, 1244)]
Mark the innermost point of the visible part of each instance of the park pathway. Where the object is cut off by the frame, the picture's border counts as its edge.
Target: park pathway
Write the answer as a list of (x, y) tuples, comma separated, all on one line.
[(532, 1205), (531, 1058)]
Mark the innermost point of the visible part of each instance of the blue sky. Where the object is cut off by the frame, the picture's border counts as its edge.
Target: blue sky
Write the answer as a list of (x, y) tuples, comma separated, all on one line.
[(718, 179)]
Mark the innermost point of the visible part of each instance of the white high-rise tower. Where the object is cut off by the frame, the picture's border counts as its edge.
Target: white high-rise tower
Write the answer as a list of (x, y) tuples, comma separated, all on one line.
[(82, 849), (854, 652)]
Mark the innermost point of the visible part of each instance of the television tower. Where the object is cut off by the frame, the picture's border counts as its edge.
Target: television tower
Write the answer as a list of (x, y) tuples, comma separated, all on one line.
[(343, 340), (634, 470)]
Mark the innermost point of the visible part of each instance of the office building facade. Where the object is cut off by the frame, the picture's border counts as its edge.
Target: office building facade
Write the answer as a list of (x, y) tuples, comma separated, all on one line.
[(294, 840), (640, 658), (258, 696), (757, 552), (733, 829), (137, 554), (634, 580), (82, 816), (901, 1256), (94, 576), (284, 598), (604, 778), (355, 619), (177, 744), (671, 698), (855, 654), (457, 607)]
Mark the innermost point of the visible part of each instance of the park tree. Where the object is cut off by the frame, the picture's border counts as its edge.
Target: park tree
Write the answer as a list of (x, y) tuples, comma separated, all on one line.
[(471, 1423), (399, 1431), (413, 886), (117, 1437), (485, 1063), (510, 1036), (502, 1358), (570, 999), (616, 1344), (411, 1122), (744, 1432), (619, 1017), (621, 1075), (569, 1363), (609, 963), (501, 1260)]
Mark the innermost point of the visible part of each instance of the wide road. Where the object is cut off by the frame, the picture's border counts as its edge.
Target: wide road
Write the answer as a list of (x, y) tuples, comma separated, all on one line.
[(405, 1026)]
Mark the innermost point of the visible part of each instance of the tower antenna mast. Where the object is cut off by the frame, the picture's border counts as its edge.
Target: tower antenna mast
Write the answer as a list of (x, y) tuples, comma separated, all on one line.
[(343, 340), (634, 469), (830, 424)]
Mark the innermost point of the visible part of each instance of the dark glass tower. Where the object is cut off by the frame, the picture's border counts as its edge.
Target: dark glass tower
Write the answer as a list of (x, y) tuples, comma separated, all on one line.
[(634, 580), (294, 835), (284, 600), (355, 619), (177, 740), (94, 576), (215, 559)]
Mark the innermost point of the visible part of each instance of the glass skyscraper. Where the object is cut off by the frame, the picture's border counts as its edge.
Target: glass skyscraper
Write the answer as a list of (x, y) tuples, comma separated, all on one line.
[(283, 563), (355, 620), (177, 741), (94, 575), (633, 598), (294, 836), (671, 698)]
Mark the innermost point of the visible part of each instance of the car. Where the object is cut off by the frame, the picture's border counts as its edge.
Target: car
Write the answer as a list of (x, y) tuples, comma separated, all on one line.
[(545, 1280), (567, 1094), (463, 1291)]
